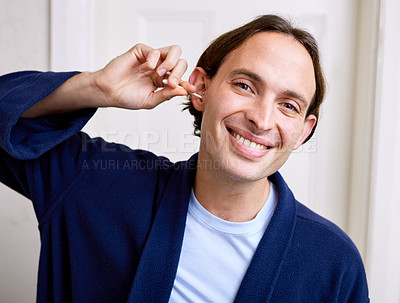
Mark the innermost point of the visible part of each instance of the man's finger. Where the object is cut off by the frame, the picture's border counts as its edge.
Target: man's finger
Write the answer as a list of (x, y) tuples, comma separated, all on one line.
[(170, 57), (190, 88), (152, 59), (163, 95), (176, 74)]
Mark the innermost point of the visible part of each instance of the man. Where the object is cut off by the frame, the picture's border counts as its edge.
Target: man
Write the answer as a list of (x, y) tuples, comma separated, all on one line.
[(220, 227)]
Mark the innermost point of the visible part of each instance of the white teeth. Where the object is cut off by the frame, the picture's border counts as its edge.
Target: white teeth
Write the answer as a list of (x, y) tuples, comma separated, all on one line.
[(248, 143)]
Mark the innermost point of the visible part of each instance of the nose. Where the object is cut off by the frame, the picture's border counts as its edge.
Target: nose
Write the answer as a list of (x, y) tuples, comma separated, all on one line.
[(261, 115)]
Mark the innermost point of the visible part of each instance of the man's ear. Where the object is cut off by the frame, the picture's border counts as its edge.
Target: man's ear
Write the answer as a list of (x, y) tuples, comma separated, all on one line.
[(308, 125), (199, 79)]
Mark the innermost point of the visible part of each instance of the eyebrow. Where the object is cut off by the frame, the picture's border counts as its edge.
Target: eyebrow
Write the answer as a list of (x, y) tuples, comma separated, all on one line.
[(247, 73), (254, 76), (297, 96)]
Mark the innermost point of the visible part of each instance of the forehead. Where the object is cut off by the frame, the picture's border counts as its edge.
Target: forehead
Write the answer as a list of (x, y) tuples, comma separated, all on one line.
[(277, 58)]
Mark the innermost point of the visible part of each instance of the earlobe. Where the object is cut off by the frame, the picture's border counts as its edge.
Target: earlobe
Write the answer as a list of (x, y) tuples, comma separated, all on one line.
[(308, 126), (199, 79)]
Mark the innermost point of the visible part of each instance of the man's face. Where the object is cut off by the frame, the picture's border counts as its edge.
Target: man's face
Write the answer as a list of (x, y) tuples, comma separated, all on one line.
[(254, 107)]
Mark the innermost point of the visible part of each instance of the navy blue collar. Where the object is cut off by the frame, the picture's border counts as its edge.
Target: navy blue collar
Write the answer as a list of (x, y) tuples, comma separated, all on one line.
[(260, 279)]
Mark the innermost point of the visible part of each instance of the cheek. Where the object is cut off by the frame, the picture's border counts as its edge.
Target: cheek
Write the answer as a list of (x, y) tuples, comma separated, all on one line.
[(222, 102), (290, 132), (219, 106)]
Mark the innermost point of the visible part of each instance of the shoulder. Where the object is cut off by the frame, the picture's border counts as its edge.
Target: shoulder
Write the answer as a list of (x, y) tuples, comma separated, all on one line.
[(322, 261), (311, 220), (328, 246), (307, 226), (324, 236), (331, 254)]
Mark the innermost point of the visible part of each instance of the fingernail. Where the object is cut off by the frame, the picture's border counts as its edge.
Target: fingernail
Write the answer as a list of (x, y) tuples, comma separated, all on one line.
[(161, 72)]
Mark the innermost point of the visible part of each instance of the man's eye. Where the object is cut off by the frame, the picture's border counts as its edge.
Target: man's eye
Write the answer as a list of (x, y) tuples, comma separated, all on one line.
[(242, 85), (290, 106)]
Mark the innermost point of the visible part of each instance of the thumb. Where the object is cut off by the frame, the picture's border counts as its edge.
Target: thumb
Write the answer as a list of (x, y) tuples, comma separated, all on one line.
[(163, 95)]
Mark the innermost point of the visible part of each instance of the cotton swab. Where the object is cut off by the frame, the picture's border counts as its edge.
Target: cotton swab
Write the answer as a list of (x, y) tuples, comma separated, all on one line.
[(165, 81)]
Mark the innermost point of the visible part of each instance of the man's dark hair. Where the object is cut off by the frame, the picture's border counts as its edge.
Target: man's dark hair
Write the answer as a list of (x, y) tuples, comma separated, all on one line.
[(213, 57)]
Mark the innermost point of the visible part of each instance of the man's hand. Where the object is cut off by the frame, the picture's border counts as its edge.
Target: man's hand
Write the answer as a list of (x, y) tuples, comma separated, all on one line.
[(133, 79)]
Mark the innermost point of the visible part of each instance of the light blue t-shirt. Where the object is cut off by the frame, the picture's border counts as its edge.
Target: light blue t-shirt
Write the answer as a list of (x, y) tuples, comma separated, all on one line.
[(216, 253)]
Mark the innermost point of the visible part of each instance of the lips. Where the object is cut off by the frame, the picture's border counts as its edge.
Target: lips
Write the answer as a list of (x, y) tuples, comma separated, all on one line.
[(248, 145), (248, 139), (248, 142)]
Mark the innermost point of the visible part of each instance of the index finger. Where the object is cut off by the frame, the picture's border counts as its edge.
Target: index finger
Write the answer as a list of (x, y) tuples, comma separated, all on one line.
[(170, 56), (174, 77)]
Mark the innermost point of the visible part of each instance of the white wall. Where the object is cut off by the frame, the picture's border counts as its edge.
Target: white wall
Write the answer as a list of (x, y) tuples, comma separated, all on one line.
[(24, 36)]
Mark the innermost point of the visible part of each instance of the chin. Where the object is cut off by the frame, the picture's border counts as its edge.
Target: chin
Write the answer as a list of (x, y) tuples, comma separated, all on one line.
[(244, 173)]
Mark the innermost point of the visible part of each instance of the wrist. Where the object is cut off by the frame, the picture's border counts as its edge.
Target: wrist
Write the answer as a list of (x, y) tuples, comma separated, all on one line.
[(100, 89)]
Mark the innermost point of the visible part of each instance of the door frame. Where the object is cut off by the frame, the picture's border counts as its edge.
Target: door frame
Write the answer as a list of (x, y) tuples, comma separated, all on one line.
[(71, 34)]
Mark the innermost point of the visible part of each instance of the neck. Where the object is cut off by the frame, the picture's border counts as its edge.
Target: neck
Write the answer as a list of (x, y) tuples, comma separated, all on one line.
[(227, 198)]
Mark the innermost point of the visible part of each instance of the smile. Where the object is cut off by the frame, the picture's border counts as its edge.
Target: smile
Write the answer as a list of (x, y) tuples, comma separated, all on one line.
[(247, 142)]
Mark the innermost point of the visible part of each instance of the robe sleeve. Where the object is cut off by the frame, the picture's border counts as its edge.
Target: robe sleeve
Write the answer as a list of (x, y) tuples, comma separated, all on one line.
[(30, 138), (40, 157)]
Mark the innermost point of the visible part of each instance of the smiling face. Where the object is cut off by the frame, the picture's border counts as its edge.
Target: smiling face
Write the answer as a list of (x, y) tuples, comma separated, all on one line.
[(254, 107)]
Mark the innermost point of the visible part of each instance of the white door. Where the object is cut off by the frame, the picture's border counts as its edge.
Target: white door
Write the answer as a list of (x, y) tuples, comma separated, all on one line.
[(318, 173)]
